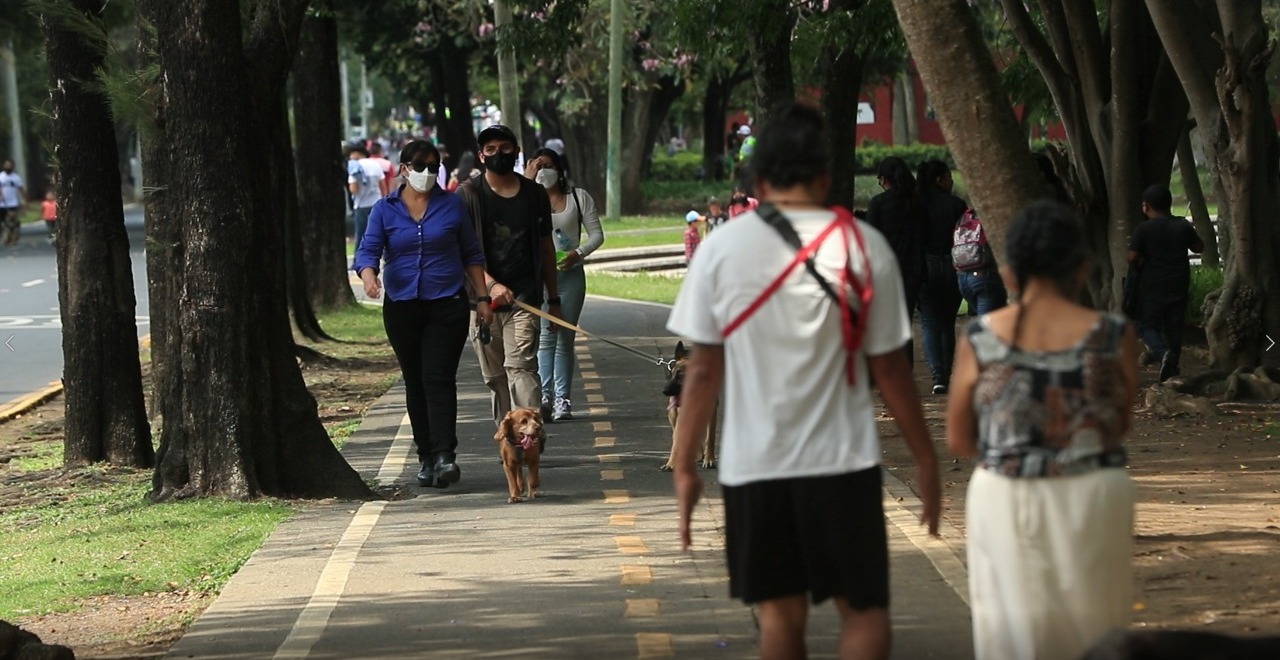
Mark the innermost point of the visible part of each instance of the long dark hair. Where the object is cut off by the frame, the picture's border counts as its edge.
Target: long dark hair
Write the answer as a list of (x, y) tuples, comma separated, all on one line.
[(1046, 240), (901, 183), (928, 174), (557, 161)]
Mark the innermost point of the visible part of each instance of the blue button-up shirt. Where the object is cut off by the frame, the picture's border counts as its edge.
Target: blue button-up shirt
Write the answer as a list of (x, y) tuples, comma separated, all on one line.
[(424, 260)]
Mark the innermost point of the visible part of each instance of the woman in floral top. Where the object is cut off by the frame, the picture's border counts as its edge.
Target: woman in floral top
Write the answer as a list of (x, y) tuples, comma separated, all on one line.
[(1042, 394)]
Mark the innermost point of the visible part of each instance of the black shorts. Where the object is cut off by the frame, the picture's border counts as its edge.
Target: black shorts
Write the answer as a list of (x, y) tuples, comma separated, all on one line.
[(824, 536)]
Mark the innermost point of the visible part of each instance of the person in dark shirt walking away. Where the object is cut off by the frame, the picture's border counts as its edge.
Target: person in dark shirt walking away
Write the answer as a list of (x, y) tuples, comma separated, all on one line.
[(1159, 249), (431, 250), (940, 293), (900, 216), (512, 216)]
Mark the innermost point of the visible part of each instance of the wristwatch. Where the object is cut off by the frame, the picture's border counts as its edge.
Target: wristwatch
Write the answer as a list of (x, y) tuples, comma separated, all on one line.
[(484, 299)]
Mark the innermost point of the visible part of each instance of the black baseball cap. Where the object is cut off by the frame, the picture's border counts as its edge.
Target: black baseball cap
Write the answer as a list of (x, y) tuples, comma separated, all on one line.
[(497, 132)]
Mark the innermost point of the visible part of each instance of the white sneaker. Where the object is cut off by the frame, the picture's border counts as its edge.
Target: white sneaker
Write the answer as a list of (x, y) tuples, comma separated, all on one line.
[(562, 410)]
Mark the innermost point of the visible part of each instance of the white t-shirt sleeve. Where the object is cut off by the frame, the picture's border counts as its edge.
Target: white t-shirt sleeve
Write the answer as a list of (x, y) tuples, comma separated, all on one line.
[(888, 327), (691, 316)]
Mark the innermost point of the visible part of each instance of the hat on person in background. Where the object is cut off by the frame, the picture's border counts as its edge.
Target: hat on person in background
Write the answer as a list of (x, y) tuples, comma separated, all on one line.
[(713, 200), (744, 130), (497, 132), (691, 216)]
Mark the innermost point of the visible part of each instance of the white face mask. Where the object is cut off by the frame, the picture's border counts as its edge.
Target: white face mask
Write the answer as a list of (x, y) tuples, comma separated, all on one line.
[(421, 181), (547, 177)]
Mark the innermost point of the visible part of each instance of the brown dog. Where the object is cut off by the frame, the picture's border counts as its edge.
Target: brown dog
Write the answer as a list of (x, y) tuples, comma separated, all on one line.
[(675, 386), (520, 442)]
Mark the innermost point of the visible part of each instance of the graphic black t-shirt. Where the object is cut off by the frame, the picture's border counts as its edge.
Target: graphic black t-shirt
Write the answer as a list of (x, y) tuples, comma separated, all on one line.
[(1163, 244), (513, 231)]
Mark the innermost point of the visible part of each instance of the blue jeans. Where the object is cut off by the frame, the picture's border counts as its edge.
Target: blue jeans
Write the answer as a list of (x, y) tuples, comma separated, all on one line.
[(939, 302), (556, 360), (361, 216), (984, 289)]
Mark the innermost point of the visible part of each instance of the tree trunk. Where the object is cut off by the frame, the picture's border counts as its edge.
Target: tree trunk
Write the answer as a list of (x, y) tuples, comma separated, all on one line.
[(1195, 202), (458, 90), (1233, 112), (899, 112), (841, 81), (769, 44), (106, 416), (244, 424), (317, 121), (974, 112), (646, 111), (584, 144), (715, 103), (909, 105)]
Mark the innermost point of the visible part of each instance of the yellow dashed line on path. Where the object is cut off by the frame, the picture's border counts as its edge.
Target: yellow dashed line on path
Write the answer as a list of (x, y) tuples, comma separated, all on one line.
[(609, 458), (623, 520), (642, 607), (601, 427), (598, 411), (654, 645), (590, 375), (586, 364), (595, 398), (605, 442), (636, 575), (631, 545), (611, 475), (590, 387), (617, 497)]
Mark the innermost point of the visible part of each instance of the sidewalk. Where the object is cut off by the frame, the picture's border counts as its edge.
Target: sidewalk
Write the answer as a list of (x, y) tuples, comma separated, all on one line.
[(592, 569)]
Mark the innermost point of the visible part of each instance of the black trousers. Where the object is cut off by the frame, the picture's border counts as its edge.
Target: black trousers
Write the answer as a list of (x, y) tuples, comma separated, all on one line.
[(1161, 320), (427, 337)]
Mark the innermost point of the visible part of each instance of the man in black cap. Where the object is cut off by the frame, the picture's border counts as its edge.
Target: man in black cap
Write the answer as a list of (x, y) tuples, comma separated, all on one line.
[(512, 216)]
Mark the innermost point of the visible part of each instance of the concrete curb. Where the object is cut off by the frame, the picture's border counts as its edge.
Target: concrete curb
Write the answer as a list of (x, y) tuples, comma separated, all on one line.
[(24, 404)]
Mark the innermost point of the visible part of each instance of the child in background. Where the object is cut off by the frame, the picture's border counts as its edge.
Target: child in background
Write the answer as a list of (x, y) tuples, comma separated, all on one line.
[(691, 237), (715, 214), (49, 211)]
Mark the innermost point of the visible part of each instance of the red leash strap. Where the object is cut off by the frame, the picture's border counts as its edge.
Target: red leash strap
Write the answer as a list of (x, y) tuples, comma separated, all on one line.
[(773, 287)]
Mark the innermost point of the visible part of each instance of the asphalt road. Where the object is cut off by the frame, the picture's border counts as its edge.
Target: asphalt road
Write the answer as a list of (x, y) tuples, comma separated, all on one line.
[(29, 318)]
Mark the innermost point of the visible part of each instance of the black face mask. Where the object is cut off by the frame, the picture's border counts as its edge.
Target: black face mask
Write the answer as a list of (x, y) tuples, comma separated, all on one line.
[(501, 162)]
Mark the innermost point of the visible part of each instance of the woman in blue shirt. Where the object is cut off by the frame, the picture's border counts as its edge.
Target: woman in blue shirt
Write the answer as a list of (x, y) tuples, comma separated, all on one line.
[(431, 250)]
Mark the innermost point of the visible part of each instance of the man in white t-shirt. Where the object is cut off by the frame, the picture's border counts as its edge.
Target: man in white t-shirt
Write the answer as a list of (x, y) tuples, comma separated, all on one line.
[(800, 457), (364, 182), (12, 197)]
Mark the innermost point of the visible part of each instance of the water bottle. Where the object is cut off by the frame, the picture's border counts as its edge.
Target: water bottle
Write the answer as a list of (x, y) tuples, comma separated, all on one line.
[(562, 245)]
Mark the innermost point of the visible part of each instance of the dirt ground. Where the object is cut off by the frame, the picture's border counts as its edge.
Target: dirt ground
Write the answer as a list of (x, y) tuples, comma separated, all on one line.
[(1208, 513), (1208, 518), (145, 626)]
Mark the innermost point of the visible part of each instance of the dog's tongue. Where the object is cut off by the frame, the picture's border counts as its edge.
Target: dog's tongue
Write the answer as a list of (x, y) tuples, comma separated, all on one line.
[(526, 441)]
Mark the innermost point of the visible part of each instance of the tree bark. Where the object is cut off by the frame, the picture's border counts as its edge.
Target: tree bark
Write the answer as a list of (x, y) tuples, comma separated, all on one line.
[(841, 80), (106, 418), (909, 106), (769, 44), (1195, 202), (899, 111), (1232, 111), (244, 424), (972, 109), (458, 91), (317, 121)]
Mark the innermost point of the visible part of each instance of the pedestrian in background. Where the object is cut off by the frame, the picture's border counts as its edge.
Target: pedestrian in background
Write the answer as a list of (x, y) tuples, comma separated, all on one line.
[(364, 182), (431, 252), (1158, 249), (49, 213), (573, 211), (900, 215), (1042, 395), (800, 464), (692, 239), (939, 291), (13, 196)]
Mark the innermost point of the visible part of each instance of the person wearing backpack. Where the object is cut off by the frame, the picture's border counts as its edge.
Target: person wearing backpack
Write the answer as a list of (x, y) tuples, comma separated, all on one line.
[(975, 264), (899, 214), (940, 293)]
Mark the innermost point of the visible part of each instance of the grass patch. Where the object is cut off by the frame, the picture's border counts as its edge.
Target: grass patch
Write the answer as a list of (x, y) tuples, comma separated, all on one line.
[(641, 286), (354, 322), (340, 431), (43, 456), (1204, 280), (98, 535), (673, 236)]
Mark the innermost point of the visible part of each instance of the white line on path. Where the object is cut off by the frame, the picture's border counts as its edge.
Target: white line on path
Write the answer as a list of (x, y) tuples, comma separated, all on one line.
[(333, 582), (32, 283), (314, 617)]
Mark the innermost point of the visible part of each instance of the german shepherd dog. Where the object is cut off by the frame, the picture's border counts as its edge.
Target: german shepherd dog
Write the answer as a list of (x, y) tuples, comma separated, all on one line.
[(673, 390), (520, 441)]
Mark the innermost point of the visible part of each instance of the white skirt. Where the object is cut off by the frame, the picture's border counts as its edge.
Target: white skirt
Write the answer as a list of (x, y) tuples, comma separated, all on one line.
[(1050, 562)]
